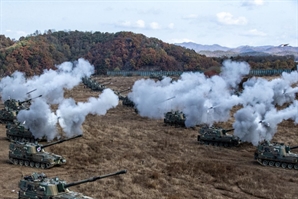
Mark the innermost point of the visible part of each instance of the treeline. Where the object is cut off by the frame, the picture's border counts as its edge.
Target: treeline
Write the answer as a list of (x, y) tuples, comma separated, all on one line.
[(110, 52), (265, 61)]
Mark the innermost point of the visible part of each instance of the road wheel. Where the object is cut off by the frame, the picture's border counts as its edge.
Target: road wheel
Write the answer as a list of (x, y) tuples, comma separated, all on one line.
[(277, 164), (290, 166), (21, 162), (271, 163), (48, 165), (284, 165), (37, 164), (296, 166), (42, 165), (265, 162), (31, 164), (15, 161)]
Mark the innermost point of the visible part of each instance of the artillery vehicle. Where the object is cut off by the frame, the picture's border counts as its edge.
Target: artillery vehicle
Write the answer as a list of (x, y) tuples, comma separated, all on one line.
[(17, 105), (18, 132), (127, 102), (276, 154), (33, 154), (176, 118), (8, 115), (38, 185), (118, 93), (155, 76), (12, 108), (217, 137)]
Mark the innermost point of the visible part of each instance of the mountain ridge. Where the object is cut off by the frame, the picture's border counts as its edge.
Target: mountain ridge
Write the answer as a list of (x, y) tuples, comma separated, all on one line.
[(216, 50)]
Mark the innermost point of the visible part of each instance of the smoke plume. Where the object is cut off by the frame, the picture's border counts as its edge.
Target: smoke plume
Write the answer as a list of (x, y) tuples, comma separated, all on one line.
[(40, 119), (201, 99), (71, 114)]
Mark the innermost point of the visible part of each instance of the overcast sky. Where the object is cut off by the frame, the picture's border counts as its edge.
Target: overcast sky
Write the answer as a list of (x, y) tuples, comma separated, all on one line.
[(229, 23)]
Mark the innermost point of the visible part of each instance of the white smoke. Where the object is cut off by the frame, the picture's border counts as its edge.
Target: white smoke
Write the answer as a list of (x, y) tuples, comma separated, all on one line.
[(50, 85), (258, 119), (40, 120), (71, 114), (207, 100), (201, 99)]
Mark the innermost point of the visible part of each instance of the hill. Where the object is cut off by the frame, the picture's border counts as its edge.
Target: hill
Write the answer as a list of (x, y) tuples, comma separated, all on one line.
[(106, 51)]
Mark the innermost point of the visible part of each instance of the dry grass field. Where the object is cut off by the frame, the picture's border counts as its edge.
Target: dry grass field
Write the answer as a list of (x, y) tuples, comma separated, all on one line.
[(162, 162)]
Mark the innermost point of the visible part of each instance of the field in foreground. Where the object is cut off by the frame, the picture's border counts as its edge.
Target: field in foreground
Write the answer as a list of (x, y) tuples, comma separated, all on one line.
[(162, 161)]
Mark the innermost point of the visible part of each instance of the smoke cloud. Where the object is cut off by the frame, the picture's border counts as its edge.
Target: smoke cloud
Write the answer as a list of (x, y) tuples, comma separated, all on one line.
[(259, 118), (71, 114), (208, 100), (40, 119), (201, 99), (50, 84)]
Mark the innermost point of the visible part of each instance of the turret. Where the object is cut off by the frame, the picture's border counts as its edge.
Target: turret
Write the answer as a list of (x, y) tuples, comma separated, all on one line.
[(92, 179), (59, 141)]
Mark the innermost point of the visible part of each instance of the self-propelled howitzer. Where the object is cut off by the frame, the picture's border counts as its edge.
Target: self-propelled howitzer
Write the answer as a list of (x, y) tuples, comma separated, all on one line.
[(277, 155), (33, 154), (39, 186), (17, 105), (218, 137), (16, 131)]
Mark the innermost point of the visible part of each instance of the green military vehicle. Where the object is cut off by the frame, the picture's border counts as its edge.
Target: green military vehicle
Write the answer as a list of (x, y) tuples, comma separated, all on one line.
[(39, 186), (12, 107), (175, 118), (276, 154), (8, 115), (217, 137), (33, 154), (120, 96), (18, 132)]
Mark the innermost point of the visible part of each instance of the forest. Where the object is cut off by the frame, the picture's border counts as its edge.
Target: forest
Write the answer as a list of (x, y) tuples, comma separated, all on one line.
[(113, 52)]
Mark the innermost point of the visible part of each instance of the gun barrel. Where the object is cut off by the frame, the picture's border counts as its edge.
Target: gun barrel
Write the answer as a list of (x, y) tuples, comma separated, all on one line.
[(228, 130), (104, 81), (30, 99), (294, 147), (31, 91), (60, 141), (106, 84), (94, 178), (124, 90)]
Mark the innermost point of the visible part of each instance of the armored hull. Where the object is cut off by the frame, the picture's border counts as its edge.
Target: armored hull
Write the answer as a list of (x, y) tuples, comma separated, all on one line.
[(30, 154), (18, 132), (276, 155), (7, 115), (33, 154), (175, 118), (38, 185), (217, 137)]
